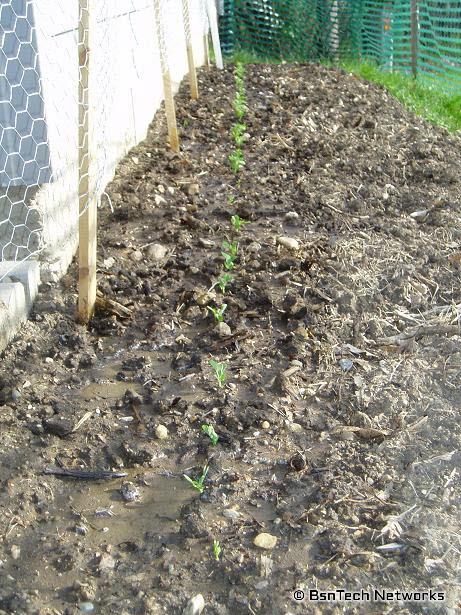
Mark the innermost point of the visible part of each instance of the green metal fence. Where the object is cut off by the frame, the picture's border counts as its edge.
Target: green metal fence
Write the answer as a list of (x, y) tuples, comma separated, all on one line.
[(419, 37)]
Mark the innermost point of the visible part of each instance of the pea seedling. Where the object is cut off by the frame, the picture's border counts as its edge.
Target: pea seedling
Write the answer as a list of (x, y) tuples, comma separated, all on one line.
[(219, 372), (231, 248), (239, 104), (198, 484), (238, 133), (238, 222), (239, 70), (216, 550), (237, 160), (218, 313), (210, 432), (229, 253), (223, 281)]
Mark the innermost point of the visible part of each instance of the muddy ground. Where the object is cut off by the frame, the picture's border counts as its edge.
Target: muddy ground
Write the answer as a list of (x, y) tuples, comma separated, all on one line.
[(338, 425)]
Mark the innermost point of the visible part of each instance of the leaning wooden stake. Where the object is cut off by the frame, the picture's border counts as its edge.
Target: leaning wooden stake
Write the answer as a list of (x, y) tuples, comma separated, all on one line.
[(190, 51), (213, 21), (87, 227), (167, 88)]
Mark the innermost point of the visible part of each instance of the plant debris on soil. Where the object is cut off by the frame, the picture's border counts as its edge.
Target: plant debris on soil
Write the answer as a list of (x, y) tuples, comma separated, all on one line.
[(338, 451)]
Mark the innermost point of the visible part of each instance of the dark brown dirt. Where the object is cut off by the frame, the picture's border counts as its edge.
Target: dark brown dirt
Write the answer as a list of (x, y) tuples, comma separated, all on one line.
[(357, 471)]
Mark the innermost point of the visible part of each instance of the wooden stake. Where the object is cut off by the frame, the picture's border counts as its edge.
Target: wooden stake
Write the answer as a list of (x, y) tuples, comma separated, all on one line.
[(87, 227), (206, 52), (190, 51), (170, 109), (414, 29), (213, 21)]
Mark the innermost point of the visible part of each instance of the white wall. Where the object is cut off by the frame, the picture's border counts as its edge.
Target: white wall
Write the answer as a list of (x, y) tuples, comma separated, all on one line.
[(125, 92)]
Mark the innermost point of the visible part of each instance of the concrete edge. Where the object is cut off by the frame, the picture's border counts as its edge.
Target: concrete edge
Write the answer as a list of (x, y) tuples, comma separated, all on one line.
[(18, 290)]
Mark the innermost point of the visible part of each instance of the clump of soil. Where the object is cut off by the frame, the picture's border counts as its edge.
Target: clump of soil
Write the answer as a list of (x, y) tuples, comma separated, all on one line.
[(338, 426)]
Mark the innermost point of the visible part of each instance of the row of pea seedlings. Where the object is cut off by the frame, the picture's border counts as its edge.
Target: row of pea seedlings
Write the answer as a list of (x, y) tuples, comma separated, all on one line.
[(230, 254)]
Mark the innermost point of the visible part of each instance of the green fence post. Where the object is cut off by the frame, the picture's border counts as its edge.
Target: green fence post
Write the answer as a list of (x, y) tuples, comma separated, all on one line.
[(414, 33)]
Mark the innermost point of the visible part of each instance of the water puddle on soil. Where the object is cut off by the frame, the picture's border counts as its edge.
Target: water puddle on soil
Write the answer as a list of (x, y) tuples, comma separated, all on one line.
[(86, 518)]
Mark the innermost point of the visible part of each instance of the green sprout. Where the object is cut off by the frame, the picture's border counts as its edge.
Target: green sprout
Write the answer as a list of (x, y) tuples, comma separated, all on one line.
[(229, 253), (199, 483), (223, 281), (231, 248), (237, 160), (238, 222), (229, 261), (216, 550), (240, 70), (210, 432), (231, 199), (218, 313), (219, 372), (239, 105), (238, 133)]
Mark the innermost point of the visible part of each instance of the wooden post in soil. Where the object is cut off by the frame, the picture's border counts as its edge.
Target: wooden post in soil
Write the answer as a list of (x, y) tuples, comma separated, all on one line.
[(190, 51), (205, 30), (87, 227), (213, 21), (414, 33), (206, 50), (170, 109)]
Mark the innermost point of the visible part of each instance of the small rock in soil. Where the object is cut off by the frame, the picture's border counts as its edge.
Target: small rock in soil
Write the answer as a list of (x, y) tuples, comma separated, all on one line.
[(288, 242), (161, 432), (106, 563), (346, 364), (231, 513), (129, 492), (136, 256), (223, 329), (265, 425), (15, 551), (206, 243), (295, 427), (58, 426), (291, 215), (265, 541), (156, 252), (195, 605)]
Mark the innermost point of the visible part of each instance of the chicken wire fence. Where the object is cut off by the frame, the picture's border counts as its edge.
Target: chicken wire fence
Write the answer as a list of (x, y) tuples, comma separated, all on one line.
[(419, 37), (78, 88)]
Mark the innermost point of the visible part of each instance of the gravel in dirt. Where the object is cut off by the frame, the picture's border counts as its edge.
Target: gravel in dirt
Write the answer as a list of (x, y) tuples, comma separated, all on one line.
[(338, 425)]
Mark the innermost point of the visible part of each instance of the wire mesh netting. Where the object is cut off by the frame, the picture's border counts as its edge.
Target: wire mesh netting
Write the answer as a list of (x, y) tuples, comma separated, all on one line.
[(422, 37), (52, 107)]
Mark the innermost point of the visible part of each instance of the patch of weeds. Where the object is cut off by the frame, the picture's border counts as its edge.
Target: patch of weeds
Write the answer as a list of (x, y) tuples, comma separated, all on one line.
[(220, 370), (199, 483), (210, 432), (218, 312), (237, 160)]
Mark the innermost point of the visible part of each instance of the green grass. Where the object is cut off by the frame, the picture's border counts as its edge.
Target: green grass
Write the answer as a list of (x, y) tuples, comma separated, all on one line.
[(432, 104)]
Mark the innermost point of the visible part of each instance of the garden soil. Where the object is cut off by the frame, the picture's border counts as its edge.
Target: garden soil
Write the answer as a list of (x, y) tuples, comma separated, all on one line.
[(338, 425)]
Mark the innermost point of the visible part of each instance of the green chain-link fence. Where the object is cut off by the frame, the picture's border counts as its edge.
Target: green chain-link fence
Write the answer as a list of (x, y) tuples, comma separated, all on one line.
[(419, 37)]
